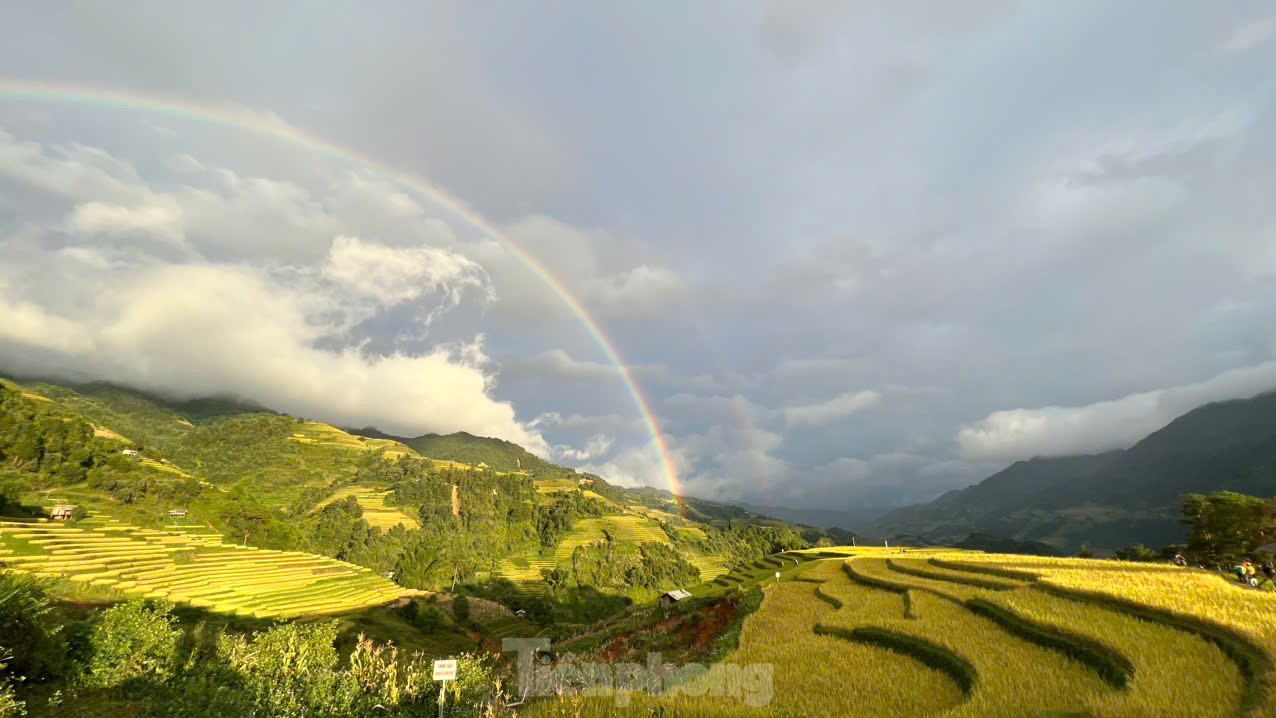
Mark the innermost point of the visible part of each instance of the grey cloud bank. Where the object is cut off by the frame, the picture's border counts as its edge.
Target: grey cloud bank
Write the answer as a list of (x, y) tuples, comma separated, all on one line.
[(856, 254)]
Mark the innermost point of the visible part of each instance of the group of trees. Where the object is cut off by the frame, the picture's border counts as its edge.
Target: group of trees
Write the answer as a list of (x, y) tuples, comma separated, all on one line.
[(138, 658), (1225, 527), (607, 564), (44, 444), (741, 542)]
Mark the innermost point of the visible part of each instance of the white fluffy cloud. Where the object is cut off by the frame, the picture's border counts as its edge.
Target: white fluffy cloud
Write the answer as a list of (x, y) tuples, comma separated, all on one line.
[(827, 412), (392, 276), (596, 447), (199, 329), (278, 332), (160, 219), (1118, 423)]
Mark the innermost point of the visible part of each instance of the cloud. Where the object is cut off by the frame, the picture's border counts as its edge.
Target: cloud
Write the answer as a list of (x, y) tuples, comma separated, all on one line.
[(1251, 35), (280, 332), (634, 466), (596, 447), (26, 324), (581, 422), (641, 291), (827, 412), (194, 330), (161, 219), (393, 276), (1119, 423), (555, 363)]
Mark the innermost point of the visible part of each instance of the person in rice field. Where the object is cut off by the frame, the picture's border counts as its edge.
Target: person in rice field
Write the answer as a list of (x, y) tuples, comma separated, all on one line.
[(1249, 573), (1239, 571)]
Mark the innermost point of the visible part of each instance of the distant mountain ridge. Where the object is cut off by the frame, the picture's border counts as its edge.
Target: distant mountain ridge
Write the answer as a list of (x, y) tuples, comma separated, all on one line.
[(1115, 498)]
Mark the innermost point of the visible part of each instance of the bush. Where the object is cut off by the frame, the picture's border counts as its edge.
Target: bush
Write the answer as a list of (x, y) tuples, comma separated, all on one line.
[(461, 609), (133, 640), (10, 706), (28, 630), (429, 618), (290, 670)]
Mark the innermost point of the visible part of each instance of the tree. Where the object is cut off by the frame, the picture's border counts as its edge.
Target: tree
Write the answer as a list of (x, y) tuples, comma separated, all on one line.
[(556, 577), (1085, 552), (1226, 527)]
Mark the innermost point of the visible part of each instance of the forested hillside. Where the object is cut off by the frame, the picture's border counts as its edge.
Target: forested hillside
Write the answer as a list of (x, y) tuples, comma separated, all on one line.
[(466, 519)]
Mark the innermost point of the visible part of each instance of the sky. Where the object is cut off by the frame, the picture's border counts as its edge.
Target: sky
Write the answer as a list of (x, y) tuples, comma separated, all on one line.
[(853, 255)]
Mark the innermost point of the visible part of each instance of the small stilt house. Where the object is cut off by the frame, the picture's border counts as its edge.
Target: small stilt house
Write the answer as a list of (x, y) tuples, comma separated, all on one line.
[(674, 596), (62, 512)]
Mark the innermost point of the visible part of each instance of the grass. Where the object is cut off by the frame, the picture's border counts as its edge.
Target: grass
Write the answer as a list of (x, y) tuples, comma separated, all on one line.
[(193, 567)]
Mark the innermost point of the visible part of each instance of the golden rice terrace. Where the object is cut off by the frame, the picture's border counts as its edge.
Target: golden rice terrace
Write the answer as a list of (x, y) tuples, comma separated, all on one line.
[(194, 567)]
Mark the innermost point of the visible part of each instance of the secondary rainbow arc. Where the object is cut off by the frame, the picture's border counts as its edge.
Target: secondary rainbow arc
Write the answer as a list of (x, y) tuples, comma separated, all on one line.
[(265, 124)]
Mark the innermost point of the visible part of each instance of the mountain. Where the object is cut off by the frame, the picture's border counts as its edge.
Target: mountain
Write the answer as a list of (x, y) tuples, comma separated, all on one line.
[(466, 448), (823, 518), (1115, 498), (471, 513)]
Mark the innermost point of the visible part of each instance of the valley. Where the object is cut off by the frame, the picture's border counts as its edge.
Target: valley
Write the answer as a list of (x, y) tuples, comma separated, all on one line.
[(271, 528)]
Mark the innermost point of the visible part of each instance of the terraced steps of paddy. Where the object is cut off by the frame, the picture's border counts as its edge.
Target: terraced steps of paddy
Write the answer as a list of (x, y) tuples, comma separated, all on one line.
[(622, 528), (375, 511), (997, 635), (710, 567), (186, 567), (525, 573)]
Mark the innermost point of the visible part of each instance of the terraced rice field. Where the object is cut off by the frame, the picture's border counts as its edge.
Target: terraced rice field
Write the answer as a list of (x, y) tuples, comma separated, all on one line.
[(622, 528), (312, 432), (525, 573), (193, 566), (710, 567), (552, 486), (375, 512), (956, 634)]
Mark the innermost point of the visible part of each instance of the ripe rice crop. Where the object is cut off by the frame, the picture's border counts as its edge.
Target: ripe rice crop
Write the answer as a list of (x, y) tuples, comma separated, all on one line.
[(375, 511), (220, 577), (1106, 639)]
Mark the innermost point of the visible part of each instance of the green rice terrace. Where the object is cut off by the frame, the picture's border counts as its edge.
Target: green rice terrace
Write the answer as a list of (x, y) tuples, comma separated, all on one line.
[(193, 566)]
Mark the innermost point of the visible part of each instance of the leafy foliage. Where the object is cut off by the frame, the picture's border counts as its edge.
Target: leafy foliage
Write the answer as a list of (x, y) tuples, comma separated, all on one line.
[(29, 633), (131, 641), (1226, 527)]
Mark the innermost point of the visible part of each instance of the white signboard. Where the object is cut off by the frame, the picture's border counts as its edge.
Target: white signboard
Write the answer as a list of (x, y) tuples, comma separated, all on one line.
[(445, 670)]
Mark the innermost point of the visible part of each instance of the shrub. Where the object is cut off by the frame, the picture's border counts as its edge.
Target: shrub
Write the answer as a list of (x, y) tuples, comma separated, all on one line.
[(290, 670), (28, 631), (133, 640), (461, 609)]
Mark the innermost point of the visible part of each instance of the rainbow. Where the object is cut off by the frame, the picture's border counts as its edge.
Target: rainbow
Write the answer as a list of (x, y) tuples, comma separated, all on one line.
[(272, 126)]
